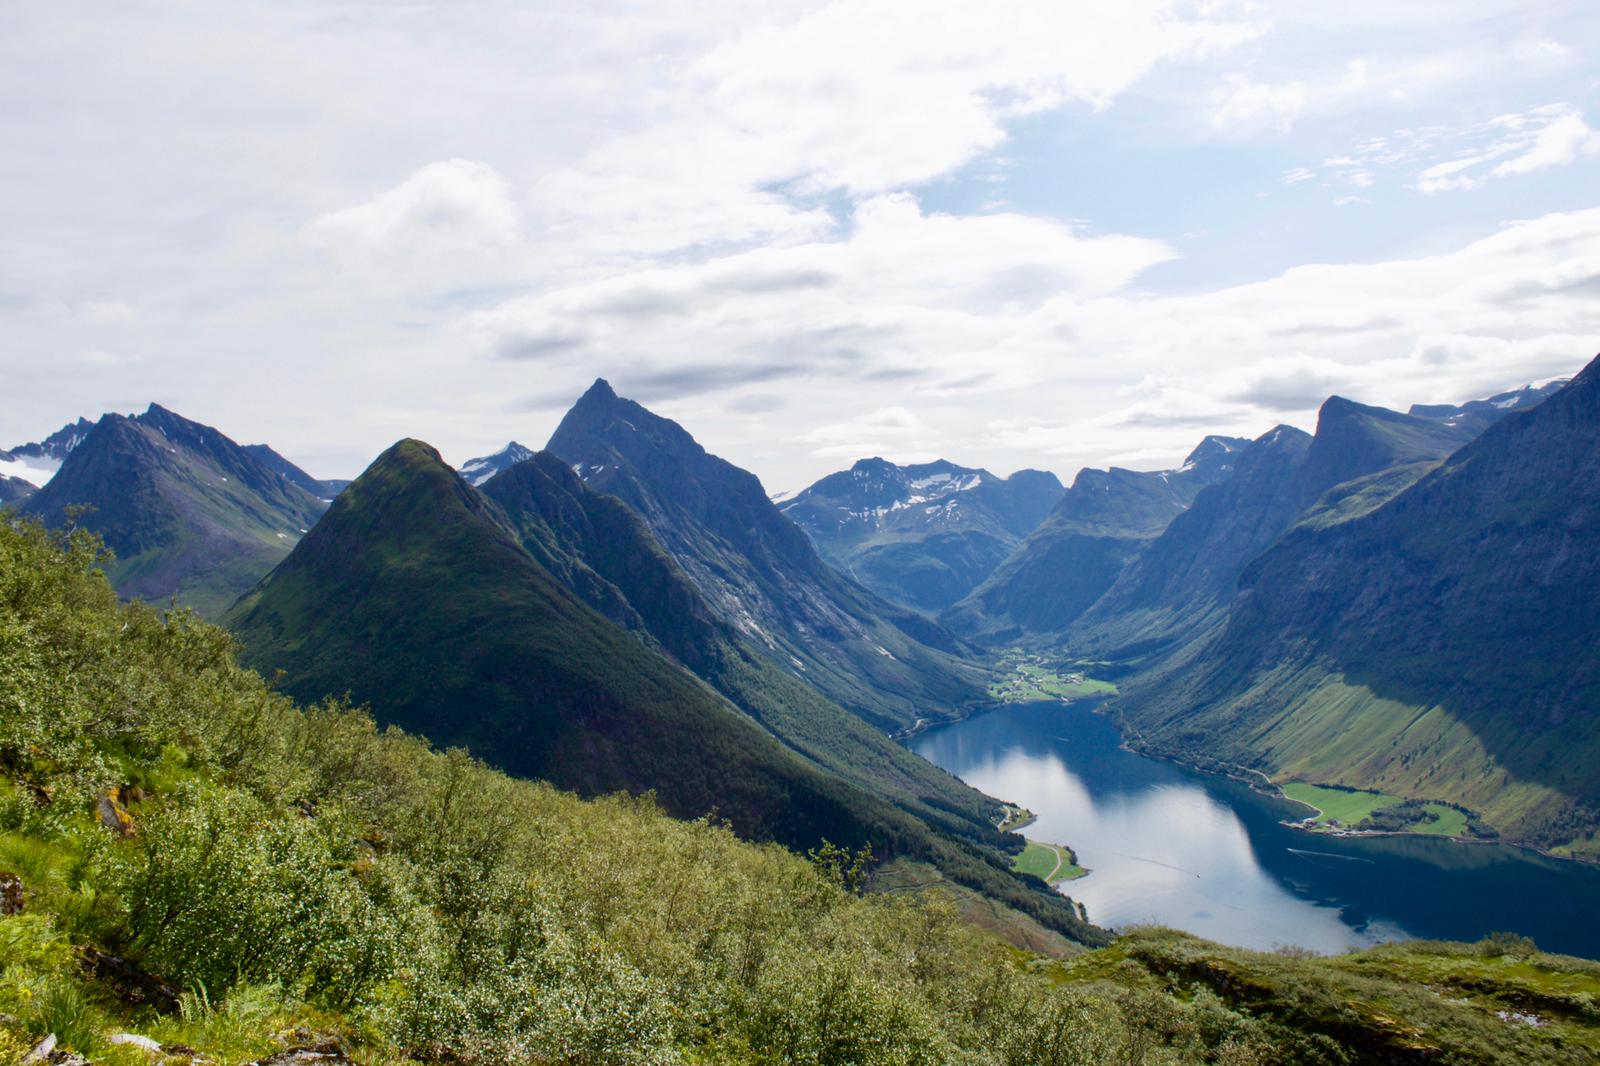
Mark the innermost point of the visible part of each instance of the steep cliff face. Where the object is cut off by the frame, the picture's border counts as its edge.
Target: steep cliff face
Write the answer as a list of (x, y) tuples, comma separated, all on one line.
[(760, 572)]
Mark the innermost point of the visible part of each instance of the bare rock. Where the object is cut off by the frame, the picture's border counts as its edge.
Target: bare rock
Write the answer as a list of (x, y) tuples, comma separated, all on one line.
[(144, 1043), (113, 815), (133, 985), (324, 1054), (41, 1051)]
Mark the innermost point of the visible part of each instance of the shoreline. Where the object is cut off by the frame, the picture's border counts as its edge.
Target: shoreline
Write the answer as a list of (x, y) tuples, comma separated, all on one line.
[(1235, 772)]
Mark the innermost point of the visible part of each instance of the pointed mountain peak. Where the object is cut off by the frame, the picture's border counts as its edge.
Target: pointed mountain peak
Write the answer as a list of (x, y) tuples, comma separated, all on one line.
[(600, 392), (485, 467), (1338, 408), (1282, 434), (409, 454), (406, 489)]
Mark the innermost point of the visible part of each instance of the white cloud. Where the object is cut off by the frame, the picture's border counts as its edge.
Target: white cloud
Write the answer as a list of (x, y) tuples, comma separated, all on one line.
[(766, 217), (906, 296), (112, 311), (1241, 102), (456, 205), (894, 432), (1557, 144), (858, 98), (1506, 145)]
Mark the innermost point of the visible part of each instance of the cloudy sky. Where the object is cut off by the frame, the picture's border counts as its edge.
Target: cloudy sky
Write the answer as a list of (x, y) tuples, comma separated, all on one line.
[(1049, 235)]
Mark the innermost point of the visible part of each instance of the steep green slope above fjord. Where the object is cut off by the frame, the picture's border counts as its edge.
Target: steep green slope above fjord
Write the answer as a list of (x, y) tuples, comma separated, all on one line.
[(1442, 644), (1085, 542), (922, 535), (416, 594), (607, 556), (760, 573), (188, 512)]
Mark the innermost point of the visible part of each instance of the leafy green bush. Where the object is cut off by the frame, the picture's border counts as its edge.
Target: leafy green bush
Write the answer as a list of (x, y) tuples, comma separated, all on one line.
[(223, 890)]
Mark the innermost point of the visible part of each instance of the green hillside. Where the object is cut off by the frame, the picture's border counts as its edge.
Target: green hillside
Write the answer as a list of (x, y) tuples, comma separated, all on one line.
[(225, 876)]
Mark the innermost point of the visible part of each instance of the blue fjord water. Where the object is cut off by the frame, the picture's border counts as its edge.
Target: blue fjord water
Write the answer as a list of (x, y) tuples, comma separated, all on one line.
[(1207, 854)]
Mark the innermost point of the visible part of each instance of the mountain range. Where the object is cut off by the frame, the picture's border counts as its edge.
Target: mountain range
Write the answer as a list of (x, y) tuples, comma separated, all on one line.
[(1081, 547), (1397, 600), (188, 512), (562, 641), (922, 535), (1429, 633)]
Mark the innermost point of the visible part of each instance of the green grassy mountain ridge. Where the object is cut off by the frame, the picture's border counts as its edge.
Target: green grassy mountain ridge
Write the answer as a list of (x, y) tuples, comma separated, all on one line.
[(606, 555)]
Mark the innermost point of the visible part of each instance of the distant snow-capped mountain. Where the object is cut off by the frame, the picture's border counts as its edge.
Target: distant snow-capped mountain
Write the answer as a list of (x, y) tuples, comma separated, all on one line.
[(38, 461), (481, 469), (923, 535)]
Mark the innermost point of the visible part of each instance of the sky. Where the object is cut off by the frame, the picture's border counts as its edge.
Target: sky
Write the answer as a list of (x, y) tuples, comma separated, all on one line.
[(1010, 235)]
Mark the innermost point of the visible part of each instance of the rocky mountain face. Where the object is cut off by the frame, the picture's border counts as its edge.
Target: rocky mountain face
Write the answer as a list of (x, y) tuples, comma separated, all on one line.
[(57, 445), (760, 572), (15, 490), (479, 470), (1440, 642), (188, 512), (922, 535), (1178, 588), (1085, 542)]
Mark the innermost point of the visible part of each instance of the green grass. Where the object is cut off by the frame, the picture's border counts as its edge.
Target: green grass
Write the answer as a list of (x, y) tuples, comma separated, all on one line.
[(1337, 805), (1349, 809), (1048, 862), (1447, 822)]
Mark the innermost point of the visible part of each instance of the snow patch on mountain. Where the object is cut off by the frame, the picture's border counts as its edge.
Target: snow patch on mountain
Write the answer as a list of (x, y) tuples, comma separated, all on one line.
[(481, 469), (34, 470)]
